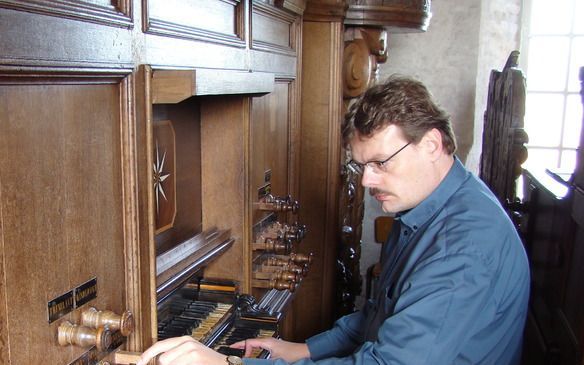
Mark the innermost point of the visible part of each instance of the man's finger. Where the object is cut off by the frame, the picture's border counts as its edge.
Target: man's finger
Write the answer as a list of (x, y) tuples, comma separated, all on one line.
[(161, 347), (238, 345), (248, 348)]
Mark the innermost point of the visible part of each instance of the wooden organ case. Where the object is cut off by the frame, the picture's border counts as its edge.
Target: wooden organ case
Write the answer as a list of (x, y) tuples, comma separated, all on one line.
[(146, 147)]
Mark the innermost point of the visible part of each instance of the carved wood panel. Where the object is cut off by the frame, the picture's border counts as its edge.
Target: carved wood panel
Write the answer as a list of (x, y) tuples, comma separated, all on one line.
[(65, 179), (96, 11), (218, 21), (273, 30), (164, 175), (503, 134), (179, 158), (270, 149)]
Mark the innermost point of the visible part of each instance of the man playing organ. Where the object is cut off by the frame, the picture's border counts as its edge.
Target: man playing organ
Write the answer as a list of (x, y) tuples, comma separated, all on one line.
[(455, 280)]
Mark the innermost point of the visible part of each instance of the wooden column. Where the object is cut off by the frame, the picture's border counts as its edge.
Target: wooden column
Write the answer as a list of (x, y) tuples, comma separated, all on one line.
[(321, 115)]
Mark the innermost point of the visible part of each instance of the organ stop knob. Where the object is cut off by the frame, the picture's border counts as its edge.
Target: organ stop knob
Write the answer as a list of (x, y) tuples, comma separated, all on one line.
[(82, 336), (278, 204), (93, 318)]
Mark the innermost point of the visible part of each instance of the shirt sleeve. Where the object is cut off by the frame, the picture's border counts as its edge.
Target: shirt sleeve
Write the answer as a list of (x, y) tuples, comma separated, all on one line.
[(434, 314), (341, 340)]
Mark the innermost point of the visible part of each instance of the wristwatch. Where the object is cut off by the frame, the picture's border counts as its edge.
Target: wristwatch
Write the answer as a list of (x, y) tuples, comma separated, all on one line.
[(234, 360)]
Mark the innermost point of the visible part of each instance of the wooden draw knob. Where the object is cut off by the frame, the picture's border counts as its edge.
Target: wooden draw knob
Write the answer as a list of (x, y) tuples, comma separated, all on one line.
[(299, 258), (284, 285), (82, 336), (288, 276), (93, 318)]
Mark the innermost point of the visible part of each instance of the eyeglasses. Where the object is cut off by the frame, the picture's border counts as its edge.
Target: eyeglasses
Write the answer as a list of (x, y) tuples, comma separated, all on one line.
[(376, 166)]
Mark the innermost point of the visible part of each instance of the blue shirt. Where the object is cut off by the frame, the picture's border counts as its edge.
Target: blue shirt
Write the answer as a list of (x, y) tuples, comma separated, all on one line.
[(453, 289)]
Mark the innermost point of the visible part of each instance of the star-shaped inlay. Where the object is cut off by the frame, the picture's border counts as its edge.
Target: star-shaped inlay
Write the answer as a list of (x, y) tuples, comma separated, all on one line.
[(159, 177)]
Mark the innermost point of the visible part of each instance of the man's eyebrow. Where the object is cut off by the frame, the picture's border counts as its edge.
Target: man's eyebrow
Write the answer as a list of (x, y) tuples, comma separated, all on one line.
[(378, 157)]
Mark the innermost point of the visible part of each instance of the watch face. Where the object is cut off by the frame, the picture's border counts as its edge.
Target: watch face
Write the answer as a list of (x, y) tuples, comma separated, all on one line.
[(234, 360)]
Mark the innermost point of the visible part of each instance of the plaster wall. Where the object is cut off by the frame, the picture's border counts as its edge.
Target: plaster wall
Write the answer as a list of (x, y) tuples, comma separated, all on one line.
[(454, 58)]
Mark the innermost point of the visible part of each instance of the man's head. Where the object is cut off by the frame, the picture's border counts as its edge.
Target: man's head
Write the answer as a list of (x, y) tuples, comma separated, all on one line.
[(401, 141)]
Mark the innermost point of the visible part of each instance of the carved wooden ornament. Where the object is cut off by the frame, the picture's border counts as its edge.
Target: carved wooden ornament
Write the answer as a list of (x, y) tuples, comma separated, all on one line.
[(358, 68), (163, 175)]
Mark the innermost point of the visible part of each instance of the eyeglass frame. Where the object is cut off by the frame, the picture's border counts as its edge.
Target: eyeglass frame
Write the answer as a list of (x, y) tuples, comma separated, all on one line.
[(359, 168)]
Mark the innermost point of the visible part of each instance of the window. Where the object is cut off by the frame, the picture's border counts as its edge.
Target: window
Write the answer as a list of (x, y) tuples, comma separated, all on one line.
[(553, 52)]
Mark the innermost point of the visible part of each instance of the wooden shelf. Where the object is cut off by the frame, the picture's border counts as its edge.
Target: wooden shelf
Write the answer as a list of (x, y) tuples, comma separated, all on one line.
[(174, 86)]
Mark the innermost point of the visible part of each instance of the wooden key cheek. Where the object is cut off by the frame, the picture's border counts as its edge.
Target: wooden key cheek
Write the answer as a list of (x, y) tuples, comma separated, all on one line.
[(130, 358)]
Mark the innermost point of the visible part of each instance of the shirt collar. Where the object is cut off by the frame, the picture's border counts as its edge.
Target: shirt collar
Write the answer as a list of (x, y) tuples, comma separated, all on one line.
[(420, 214)]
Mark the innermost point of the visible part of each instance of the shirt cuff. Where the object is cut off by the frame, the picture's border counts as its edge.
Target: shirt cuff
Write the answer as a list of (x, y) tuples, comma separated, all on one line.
[(319, 346)]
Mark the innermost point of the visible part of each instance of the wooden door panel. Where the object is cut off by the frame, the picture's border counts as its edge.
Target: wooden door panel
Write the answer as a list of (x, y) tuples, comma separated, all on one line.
[(62, 204), (94, 11), (215, 21), (274, 30), (224, 171), (270, 139)]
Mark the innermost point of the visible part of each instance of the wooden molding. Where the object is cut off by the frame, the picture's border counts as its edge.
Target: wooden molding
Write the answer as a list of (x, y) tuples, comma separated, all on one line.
[(396, 16), (174, 86), (295, 6), (282, 38), (161, 27), (119, 15), (146, 262), (321, 11), (132, 249), (157, 21)]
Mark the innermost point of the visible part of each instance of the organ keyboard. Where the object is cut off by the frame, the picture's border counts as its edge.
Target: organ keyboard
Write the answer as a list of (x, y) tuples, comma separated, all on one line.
[(211, 310), (214, 313)]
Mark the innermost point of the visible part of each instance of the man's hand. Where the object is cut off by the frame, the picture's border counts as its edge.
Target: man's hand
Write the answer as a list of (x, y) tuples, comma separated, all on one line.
[(288, 351), (182, 351)]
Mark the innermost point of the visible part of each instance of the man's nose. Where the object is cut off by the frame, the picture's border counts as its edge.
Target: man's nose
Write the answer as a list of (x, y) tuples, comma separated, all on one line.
[(368, 179)]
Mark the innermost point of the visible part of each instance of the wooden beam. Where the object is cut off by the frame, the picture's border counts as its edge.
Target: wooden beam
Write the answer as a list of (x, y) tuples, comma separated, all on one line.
[(174, 86)]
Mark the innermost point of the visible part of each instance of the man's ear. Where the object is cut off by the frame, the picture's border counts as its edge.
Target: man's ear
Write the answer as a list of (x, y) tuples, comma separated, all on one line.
[(432, 143)]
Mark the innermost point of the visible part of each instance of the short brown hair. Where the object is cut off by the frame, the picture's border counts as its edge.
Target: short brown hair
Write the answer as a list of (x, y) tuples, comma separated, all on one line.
[(402, 101)]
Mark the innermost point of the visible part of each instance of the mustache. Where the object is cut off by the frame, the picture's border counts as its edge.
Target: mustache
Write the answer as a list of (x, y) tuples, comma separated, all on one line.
[(375, 191)]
